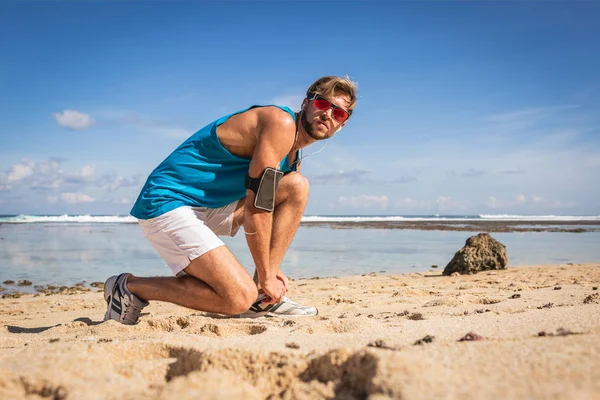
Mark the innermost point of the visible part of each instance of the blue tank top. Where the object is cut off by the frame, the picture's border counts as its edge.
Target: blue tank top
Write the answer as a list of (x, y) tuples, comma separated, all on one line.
[(199, 173)]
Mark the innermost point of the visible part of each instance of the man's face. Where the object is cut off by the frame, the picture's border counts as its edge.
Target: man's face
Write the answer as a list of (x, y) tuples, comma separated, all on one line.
[(321, 124)]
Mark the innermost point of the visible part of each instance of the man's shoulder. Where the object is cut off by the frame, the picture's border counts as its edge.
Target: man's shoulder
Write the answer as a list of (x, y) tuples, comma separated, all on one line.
[(275, 115)]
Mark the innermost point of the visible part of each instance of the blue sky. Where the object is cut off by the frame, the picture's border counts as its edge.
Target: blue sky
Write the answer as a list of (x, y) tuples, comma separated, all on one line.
[(464, 107)]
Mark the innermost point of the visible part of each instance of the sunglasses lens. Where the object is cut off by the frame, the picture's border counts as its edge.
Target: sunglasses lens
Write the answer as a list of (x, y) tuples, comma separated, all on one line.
[(322, 104), (340, 115)]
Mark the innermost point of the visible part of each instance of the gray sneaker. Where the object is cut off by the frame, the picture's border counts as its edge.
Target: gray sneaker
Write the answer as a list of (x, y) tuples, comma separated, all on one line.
[(122, 305), (287, 308)]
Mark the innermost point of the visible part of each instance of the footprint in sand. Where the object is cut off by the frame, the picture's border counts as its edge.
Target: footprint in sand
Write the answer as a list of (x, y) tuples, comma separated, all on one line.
[(338, 300), (344, 325), (198, 326), (152, 370), (446, 301)]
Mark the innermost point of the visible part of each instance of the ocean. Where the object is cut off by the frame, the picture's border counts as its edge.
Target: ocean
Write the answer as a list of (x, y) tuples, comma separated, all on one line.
[(64, 250)]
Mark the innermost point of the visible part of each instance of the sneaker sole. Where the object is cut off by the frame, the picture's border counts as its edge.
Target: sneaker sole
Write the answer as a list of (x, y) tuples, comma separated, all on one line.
[(109, 289), (292, 315), (270, 314)]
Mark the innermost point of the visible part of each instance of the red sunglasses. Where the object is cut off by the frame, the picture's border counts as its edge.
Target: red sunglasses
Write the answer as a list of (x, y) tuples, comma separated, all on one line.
[(321, 103)]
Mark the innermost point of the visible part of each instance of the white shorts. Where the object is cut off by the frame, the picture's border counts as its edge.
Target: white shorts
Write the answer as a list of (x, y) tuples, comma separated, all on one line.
[(185, 233)]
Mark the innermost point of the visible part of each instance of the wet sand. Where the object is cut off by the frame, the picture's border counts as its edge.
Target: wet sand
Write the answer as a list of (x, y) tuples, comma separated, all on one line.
[(521, 333), (468, 226)]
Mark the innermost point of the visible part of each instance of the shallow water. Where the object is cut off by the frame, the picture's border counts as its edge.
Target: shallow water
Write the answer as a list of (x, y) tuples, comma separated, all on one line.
[(64, 254)]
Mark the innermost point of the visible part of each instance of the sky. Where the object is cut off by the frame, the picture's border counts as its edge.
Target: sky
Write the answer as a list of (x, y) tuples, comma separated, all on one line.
[(463, 107)]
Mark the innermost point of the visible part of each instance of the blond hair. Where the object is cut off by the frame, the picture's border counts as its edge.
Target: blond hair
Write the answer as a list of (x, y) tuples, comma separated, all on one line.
[(327, 86)]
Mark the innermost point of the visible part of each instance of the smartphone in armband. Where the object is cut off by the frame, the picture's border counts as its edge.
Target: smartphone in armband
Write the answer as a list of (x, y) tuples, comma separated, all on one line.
[(264, 198)]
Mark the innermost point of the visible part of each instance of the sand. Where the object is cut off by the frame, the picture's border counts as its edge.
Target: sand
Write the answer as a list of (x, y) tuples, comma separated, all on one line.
[(377, 336)]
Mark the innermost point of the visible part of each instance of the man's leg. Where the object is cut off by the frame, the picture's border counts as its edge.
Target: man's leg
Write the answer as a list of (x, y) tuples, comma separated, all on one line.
[(290, 201), (217, 282)]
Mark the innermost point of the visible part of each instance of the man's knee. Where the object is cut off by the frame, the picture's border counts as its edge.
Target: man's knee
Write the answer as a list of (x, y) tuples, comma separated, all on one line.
[(295, 184), (242, 298)]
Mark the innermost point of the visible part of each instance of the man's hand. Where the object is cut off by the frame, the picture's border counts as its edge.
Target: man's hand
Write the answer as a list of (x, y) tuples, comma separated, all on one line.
[(274, 289), (284, 279)]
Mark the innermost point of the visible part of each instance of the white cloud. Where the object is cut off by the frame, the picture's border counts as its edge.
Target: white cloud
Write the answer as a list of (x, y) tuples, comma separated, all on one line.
[(74, 198), (88, 171), (113, 182), (19, 171), (72, 119), (362, 201), (50, 175), (52, 199), (48, 167)]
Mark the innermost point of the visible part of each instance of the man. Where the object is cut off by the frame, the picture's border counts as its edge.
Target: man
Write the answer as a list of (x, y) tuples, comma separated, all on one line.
[(242, 169)]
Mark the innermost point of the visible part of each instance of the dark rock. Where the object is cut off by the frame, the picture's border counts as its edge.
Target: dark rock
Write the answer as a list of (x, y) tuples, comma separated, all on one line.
[(592, 298), (14, 295), (380, 344), (559, 332), (469, 337), (9, 282), (25, 282), (515, 296), (557, 287), (566, 332), (480, 253), (426, 339), (416, 317)]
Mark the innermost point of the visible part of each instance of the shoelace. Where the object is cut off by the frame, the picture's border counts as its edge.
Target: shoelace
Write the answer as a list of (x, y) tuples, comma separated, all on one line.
[(287, 300)]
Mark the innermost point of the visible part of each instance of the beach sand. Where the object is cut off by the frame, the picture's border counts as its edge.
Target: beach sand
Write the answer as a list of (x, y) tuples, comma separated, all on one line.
[(377, 336)]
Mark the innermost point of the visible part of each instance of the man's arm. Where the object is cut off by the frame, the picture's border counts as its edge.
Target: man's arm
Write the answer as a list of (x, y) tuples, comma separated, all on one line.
[(276, 132)]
